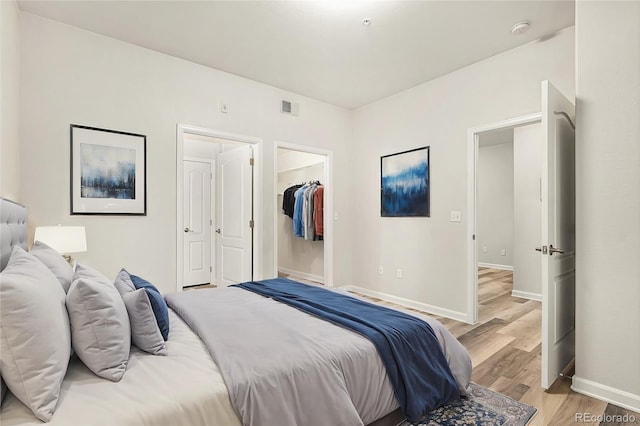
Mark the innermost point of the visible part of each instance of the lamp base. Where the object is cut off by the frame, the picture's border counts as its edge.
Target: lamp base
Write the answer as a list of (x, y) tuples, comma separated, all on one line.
[(70, 260)]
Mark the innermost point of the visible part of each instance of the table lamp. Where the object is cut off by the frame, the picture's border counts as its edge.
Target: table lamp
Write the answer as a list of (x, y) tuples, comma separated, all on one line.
[(63, 239)]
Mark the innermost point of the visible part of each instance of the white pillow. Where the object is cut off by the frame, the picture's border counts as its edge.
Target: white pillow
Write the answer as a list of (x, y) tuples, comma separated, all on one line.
[(100, 329), (35, 341), (145, 332), (55, 262)]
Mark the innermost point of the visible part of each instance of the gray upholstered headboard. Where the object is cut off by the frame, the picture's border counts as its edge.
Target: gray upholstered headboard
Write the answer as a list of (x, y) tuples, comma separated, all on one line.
[(13, 229)]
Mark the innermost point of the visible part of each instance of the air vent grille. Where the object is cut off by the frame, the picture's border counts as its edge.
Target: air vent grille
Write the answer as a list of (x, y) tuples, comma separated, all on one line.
[(288, 107)]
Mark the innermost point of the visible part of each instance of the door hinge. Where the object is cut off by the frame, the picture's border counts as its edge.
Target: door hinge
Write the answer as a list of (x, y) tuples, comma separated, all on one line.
[(210, 222), (251, 162), (210, 268), (251, 224), (473, 237)]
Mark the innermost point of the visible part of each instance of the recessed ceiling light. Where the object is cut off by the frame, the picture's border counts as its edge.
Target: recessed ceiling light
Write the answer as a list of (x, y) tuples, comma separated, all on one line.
[(366, 22), (520, 27)]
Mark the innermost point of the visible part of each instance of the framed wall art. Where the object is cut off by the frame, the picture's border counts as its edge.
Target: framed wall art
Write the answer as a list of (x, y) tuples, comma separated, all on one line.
[(108, 172), (404, 184)]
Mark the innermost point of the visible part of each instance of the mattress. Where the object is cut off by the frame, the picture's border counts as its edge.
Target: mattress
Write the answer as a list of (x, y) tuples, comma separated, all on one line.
[(183, 388)]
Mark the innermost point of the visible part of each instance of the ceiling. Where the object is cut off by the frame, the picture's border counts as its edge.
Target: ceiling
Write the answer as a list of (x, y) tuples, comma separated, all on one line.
[(320, 49)]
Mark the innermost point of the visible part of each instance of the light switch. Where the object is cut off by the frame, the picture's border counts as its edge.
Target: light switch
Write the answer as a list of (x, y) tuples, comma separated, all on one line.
[(456, 216)]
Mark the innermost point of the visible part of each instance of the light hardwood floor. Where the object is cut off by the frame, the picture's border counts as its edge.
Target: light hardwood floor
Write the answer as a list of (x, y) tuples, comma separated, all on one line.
[(505, 348)]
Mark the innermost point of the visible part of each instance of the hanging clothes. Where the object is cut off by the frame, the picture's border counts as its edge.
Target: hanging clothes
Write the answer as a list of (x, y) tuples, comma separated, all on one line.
[(298, 226), (307, 208), (318, 211), (288, 200), (305, 205)]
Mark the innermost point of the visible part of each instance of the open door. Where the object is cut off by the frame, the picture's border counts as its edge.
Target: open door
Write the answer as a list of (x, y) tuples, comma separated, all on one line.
[(197, 223), (558, 233), (234, 230)]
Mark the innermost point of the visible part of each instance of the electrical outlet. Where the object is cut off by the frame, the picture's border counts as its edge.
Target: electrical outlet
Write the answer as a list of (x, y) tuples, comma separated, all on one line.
[(380, 270), (223, 108), (398, 273), (503, 252), (485, 249), (456, 216)]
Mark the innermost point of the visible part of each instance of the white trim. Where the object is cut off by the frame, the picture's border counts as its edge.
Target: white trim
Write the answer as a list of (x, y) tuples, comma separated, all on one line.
[(606, 393), (258, 195), (495, 266), (305, 275), (472, 244), (408, 303), (328, 205), (527, 295)]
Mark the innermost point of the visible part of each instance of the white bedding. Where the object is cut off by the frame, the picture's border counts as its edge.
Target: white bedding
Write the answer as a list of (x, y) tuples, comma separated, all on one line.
[(183, 388)]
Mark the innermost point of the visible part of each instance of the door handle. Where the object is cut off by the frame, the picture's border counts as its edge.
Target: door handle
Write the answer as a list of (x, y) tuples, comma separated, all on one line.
[(187, 230), (552, 250), (542, 249), (218, 231)]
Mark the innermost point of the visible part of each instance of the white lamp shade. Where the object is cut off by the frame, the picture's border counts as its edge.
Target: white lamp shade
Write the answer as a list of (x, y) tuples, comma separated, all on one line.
[(63, 239)]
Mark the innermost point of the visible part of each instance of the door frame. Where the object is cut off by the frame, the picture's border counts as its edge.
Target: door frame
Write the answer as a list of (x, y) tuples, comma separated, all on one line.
[(473, 138), (328, 205), (212, 204), (258, 230)]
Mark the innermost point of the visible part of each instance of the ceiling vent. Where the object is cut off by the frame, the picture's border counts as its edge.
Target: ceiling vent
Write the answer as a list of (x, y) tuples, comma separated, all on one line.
[(288, 107)]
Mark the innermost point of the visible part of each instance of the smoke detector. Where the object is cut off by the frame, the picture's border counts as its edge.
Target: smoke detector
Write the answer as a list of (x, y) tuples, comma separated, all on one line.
[(520, 27)]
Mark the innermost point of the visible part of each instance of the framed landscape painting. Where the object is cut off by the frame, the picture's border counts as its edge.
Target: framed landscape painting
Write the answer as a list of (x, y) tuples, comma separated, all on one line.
[(404, 186), (108, 172)]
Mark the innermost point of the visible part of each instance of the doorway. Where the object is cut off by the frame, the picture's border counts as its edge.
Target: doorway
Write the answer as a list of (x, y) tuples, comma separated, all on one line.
[(556, 247), (498, 235), (304, 253), (216, 198)]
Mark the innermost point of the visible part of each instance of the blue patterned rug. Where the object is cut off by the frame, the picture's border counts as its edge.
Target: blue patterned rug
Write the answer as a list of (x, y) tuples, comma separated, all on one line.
[(482, 407)]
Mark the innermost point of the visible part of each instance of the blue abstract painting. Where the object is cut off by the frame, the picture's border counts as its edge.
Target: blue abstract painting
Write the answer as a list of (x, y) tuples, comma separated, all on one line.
[(405, 184), (107, 172)]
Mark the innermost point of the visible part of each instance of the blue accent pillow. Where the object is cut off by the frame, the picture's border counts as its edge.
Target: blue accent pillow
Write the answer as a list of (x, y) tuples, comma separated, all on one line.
[(159, 306)]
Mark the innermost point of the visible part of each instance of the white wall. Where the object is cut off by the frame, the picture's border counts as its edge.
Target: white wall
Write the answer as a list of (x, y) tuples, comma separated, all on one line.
[(9, 101), (527, 263), (433, 251), (494, 206), (296, 254), (608, 202), (73, 76)]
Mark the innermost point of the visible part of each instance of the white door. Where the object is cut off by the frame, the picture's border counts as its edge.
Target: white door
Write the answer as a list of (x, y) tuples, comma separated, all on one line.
[(234, 227), (558, 233), (197, 223)]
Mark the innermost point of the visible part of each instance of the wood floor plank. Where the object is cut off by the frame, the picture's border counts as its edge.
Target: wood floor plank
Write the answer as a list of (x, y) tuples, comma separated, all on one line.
[(505, 348)]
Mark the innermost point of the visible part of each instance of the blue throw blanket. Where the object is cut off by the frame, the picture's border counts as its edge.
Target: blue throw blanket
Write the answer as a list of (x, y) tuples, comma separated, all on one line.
[(415, 363)]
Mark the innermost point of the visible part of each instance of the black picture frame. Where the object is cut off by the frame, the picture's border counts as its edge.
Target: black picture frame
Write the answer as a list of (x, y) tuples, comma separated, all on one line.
[(108, 172), (405, 184)]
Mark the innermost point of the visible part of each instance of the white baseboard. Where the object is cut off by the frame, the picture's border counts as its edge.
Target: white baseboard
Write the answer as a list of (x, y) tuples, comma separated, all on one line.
[(526, 295), (606, 393), (435, 310), (304, 275), (495, 266)]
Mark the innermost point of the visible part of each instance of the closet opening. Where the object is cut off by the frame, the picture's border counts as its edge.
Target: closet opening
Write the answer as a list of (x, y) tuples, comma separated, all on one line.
[(303, 231), (215, 208)]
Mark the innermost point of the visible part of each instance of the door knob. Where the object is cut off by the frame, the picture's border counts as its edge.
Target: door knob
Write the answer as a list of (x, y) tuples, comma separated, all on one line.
[(218, 231), (187, 230), (552, 250)]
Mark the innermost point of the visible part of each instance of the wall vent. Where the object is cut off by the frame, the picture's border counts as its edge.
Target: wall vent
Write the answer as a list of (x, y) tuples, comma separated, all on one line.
[(288, 107)]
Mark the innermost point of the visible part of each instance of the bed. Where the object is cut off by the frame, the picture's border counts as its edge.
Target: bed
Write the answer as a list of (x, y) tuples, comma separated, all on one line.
[(186, 387)]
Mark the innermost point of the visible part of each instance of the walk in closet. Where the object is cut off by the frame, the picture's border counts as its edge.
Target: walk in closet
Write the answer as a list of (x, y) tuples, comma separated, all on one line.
[(300, 216)]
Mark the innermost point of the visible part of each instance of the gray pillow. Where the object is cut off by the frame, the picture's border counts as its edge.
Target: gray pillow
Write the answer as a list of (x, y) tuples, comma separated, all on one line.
[(100, 330), (35, 342), (55, 262), (145, 333)]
